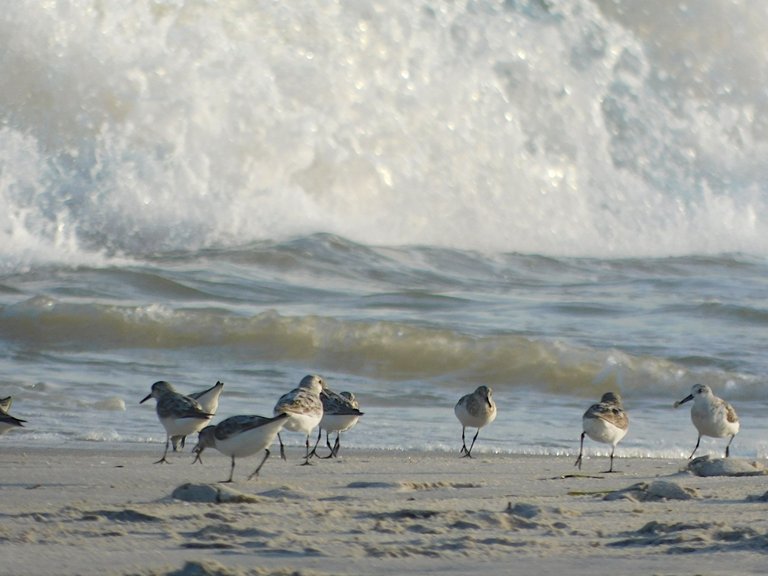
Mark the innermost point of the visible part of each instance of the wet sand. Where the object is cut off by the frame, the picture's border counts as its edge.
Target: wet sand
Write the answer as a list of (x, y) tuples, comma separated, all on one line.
[(112, 511)]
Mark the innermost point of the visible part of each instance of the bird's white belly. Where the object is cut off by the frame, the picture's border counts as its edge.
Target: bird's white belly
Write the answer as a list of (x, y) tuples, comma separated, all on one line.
[(603, 431), (250, 441), (473, 420), (183, 426), (302, 422), (713, 424), (338, 422)]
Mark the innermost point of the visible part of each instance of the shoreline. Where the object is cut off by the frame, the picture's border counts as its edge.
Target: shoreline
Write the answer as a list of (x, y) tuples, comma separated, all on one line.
[(84, 511)]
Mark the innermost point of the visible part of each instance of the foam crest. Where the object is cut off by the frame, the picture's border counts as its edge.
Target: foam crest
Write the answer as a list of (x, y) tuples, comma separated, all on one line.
[(551, 128)]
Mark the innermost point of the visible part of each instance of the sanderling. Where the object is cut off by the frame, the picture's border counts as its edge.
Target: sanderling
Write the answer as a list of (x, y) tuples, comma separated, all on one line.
[(340, 413), (304, 407), (475, 410), (8, 422), (209, 402), (240, 436), (605, 422), (180, 415), (711, 415)]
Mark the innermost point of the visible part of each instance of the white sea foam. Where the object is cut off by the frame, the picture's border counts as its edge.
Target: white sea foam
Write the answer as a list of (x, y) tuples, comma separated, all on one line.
[(551, 128)]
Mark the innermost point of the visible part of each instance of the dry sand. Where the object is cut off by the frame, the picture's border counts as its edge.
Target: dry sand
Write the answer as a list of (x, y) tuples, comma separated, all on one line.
[(112, 511)]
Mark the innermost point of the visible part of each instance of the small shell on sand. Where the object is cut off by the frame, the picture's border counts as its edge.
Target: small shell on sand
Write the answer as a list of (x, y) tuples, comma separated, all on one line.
[(707, 466), (654, 491), (210, 493)]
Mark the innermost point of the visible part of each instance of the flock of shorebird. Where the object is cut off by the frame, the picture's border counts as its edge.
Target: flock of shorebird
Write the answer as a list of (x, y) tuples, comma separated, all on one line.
[(310, 405), (314, 405), (607, 422)]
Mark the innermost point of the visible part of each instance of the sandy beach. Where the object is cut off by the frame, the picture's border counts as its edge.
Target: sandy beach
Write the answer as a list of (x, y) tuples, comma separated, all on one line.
[(85, 511)]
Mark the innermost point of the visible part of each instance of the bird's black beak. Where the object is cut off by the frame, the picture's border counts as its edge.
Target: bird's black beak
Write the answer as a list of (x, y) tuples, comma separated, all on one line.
[(147, 397), (684, 400)]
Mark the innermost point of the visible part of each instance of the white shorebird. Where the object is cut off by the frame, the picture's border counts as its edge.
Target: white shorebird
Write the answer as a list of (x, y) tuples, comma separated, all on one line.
[(8, 422), (340, 413), (474, 410), (304, 407), (209, 402), (711, 415), (605, 422), (240, 436), (180, 415)]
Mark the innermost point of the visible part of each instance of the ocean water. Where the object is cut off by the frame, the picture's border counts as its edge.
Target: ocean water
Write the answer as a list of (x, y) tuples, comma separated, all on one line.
[(554, 199)]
